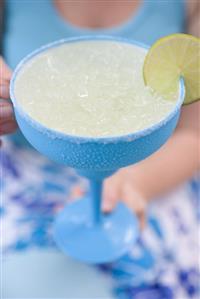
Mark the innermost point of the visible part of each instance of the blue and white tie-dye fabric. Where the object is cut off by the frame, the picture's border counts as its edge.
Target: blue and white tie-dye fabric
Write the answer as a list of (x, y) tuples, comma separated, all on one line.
[(162, 265)]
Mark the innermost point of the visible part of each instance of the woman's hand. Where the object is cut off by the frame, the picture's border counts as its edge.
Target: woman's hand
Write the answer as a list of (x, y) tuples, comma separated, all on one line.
[(7, 120), (176, 162), (120, 187)]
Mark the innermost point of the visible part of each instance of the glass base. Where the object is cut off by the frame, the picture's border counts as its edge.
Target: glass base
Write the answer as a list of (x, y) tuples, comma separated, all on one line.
[(77, 236)]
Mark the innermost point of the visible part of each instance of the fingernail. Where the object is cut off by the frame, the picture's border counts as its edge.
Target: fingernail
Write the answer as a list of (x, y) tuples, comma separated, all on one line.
[(107, 206), (4, 91)]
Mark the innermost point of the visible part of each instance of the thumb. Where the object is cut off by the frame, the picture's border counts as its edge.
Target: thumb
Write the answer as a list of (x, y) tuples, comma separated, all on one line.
[(110, 195)]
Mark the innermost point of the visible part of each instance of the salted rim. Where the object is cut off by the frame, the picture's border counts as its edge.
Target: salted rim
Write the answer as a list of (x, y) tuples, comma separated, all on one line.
[(54, 134)]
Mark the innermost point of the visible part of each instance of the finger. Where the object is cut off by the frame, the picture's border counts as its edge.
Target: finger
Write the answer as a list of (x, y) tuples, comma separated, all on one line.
[(4, 91), (8, 127), (143, 221), (5, 76), (111, 194), (6, 111), (135, 202), (5, 71)]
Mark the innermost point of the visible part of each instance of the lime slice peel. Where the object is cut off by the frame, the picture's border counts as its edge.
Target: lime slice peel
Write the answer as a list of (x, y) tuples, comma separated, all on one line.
[(169, 59)]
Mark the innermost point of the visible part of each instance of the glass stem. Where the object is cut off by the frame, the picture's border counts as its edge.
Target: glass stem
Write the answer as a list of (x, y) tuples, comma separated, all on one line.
[(96, 192)]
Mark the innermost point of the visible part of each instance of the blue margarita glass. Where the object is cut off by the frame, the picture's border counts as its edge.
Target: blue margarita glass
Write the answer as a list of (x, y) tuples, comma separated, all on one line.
[(81, 230)]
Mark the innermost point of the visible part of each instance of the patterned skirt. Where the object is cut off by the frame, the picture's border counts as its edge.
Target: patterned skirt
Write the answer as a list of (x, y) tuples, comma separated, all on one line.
[(163, 264)]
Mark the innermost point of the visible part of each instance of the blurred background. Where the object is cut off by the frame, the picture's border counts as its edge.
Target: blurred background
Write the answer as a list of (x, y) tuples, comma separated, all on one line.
[(164, 263)]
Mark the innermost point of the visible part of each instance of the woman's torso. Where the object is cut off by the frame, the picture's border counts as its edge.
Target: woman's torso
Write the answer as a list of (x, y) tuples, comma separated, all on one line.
[(30, 24)]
